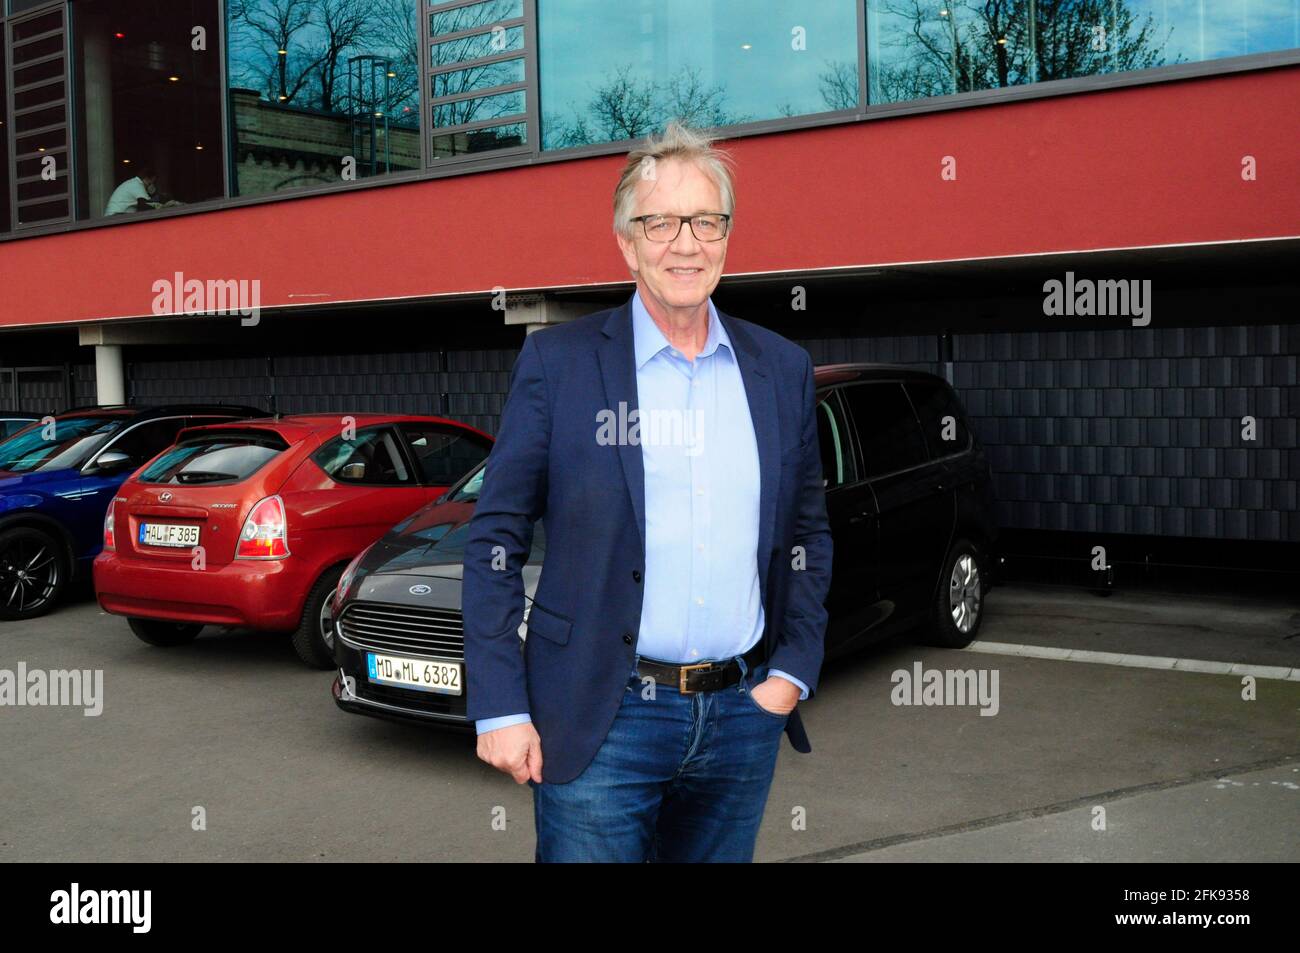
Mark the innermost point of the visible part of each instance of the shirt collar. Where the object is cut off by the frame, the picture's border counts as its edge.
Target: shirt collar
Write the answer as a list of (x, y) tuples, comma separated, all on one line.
[(648, 340)]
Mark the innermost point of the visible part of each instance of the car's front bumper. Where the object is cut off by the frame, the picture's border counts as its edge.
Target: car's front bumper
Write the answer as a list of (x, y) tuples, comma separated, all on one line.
[(354, 692)]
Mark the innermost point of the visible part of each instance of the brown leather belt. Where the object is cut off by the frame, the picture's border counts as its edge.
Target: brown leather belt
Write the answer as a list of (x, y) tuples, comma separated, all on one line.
[(690, 677)]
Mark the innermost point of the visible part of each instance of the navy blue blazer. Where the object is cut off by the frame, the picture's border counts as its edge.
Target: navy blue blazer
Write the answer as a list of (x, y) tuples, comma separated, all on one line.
[(547, 464)]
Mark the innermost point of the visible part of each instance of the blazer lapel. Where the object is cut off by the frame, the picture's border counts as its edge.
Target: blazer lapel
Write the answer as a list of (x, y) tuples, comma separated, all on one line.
[(618, 370)]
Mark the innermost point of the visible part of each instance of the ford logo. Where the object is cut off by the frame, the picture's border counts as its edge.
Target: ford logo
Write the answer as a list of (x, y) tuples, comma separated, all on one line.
[(164, 497), (420, 590)]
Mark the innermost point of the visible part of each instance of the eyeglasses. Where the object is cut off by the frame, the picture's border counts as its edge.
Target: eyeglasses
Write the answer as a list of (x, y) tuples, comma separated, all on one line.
[(707, 227)]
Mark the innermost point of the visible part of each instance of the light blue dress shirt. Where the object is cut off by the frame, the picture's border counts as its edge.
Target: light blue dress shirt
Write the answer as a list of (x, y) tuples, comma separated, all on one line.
[(702, 597)]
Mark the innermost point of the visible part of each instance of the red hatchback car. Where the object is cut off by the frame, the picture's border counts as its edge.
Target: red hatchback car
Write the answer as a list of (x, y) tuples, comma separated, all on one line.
[(251, 524)]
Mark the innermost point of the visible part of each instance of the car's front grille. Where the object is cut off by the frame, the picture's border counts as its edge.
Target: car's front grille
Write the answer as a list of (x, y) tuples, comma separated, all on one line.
[(404, 630)]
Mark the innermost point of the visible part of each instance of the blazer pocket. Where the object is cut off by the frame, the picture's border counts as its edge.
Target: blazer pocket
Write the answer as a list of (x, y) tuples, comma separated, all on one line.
[(548, 625)]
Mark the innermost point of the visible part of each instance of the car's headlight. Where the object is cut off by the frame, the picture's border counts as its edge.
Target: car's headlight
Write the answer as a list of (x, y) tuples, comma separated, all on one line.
[(349, 574)]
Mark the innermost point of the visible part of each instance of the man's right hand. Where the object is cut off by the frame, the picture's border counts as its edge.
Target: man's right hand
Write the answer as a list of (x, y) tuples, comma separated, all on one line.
[(515, 750)]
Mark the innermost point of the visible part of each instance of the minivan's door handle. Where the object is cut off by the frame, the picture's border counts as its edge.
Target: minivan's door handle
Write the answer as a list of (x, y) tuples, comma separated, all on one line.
[(860, 517)]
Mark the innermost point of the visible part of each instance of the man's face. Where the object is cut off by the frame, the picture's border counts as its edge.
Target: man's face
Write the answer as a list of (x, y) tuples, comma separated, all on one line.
[(684, 272)]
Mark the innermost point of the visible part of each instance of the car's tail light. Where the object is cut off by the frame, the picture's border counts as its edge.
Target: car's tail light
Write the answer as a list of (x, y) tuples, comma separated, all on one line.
[(110, 542), (266, 532)]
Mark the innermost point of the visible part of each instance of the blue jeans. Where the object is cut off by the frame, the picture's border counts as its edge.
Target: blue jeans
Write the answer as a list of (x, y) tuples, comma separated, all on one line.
[(679, 778)]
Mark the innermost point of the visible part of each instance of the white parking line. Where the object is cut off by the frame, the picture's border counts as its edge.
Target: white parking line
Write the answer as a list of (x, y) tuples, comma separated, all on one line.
[(1137, 661)]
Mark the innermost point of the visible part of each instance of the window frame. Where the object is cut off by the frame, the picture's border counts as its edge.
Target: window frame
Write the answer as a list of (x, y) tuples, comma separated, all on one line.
[(832, 396)]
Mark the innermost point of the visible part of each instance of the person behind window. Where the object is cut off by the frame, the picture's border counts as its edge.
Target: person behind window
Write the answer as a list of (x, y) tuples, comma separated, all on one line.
[(138, 194)]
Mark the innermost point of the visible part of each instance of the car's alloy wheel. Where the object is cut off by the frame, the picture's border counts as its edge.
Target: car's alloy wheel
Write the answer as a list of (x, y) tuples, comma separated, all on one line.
[(964, 593), (326, 621), (31, 573), (958, 601)]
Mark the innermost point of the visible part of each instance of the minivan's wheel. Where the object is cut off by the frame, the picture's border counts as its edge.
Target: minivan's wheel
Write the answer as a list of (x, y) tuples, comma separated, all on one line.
[(313, 640), (33, 572), (959, 602), (161, 632)]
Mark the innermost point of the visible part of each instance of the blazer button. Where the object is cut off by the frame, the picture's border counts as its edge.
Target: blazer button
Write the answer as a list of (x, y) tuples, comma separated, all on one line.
[(627, 638), (636, 575)]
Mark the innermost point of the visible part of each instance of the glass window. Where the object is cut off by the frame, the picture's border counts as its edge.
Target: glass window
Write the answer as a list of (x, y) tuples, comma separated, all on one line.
[(444, 454), (634, 66), (72, 442), (6, 214), (500, 73), (322, 91), (39, 117), (916, 50), (372, 458), (217, 458), (10, 427), (467, 17), (460, 111), (833, 437), (887, 429), (942, 420), (477, 48), (148, 117), (145, 441)]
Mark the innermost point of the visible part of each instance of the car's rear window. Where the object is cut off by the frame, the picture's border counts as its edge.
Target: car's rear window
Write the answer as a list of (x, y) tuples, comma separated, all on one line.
[(215, 458)]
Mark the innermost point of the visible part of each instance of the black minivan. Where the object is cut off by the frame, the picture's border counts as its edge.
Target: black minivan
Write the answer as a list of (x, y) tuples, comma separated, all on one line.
[(910, 502)]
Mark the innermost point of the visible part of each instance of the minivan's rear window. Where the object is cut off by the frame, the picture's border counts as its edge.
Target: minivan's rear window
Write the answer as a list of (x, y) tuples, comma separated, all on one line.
[(215, 458)]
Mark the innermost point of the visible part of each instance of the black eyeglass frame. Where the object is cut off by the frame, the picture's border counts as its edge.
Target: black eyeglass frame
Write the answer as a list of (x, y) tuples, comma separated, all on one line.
[(681, 220)]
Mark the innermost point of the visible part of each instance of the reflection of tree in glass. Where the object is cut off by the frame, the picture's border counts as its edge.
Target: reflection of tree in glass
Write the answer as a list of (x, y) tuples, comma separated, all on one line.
[(627, 106), (955, 46), (472, 78), (296, 51), (838, 85)]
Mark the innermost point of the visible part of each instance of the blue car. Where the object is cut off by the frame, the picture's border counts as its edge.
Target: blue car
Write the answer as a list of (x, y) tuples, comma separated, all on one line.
[(12, 421), (57, 478)]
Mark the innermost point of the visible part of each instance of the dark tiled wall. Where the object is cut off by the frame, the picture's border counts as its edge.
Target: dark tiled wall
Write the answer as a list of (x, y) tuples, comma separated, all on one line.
[(474, 383), (1133, 430)]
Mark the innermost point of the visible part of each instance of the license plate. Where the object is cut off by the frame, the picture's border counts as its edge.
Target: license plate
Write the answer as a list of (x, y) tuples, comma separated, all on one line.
[(417, 673), (168, 534)]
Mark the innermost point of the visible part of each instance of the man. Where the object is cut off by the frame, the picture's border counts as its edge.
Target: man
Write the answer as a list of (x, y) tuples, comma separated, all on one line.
[(672, 452), (137, 194)]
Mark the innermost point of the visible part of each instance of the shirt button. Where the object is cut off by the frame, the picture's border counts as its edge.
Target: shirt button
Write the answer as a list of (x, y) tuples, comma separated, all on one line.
[(699, 601), (699, 492), (700, 547)]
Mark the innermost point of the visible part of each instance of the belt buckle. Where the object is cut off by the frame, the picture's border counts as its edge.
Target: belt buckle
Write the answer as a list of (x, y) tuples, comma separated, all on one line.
[(682, 670)]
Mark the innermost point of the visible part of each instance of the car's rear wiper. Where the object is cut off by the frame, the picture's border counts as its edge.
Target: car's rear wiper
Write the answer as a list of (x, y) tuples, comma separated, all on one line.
[(204, 476)]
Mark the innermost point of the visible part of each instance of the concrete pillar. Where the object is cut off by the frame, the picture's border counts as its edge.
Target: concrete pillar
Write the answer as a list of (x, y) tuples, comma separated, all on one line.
[(110, 378), (102, 175), (535, 312)]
